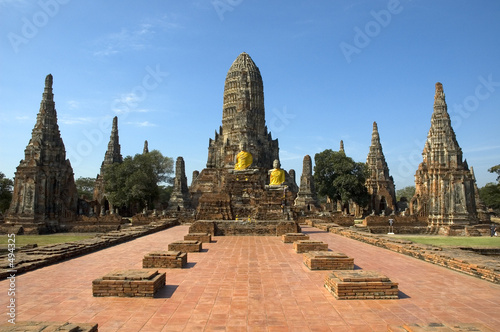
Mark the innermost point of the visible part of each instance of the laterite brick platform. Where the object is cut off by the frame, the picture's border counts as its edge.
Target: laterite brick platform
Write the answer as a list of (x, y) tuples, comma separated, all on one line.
[(166, 259), (202, 237), (328, 260), (302, 246), (129, 283), (48, 327), (292, 237), (360, 285), (185, 246)]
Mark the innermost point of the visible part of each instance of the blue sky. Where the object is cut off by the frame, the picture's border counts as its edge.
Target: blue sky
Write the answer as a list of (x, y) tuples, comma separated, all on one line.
[(330, 68)]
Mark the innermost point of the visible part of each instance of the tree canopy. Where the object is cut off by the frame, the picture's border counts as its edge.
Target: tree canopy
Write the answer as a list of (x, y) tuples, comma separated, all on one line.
[(136, 180), (490, 195), (340, 177), (6, 185), (495, 169), (407, 192), (85, 187)]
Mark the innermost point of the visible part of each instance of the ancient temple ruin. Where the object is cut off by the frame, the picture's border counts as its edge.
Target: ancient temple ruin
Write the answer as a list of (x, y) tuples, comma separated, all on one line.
[(444, 184), (306, 197), (45, 194), (112, 155), (180, 198), (379, 183), (238, 181)]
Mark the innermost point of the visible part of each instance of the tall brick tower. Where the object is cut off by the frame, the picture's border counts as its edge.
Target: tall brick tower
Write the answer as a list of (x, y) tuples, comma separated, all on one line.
[(243, 119), (444, 184), (379, 183), (224, 190), (44, 188), (111, 156)]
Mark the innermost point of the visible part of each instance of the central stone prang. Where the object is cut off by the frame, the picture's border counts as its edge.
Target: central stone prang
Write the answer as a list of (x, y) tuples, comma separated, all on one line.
[(129, 283)]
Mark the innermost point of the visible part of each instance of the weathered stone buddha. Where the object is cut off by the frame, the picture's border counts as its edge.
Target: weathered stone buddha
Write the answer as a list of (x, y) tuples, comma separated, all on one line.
[(276, 175)]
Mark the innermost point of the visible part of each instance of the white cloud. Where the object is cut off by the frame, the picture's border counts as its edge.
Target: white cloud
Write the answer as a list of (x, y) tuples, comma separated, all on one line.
[(142, 124), (23, 118), (74, 120)]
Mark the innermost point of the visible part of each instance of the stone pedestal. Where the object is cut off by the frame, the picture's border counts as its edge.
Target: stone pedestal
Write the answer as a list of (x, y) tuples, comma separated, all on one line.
[(165, 259), (360, 285), (292, 237), (328, 260), (202, 237), (185, 246), (302, 246), (129, 283)]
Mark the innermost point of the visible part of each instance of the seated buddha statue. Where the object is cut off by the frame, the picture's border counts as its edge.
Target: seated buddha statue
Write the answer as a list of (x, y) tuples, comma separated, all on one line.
[(243, 159), (277, 175)]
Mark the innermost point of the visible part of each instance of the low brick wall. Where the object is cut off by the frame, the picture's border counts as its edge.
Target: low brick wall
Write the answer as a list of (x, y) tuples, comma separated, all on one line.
[(327, 260), (360, 285), (202, 237), (242, 228), (292, 237), (129, 283), (468, 262), (165, 259), (48, 327), (185, 246), (302, 246)]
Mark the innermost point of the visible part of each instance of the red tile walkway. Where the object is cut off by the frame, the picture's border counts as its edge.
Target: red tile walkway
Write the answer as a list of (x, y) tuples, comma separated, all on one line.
[(251, 283)]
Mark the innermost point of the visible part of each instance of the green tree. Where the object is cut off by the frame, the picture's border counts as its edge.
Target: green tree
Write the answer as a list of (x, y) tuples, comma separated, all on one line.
[(495, 169), (85, 187), (407, 192), (340, 178), (490, 195), (135, 181), (6, 185)]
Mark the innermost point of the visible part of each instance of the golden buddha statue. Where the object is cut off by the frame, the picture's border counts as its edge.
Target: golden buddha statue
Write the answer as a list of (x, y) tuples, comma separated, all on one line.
[(243, 160), (277, 175)]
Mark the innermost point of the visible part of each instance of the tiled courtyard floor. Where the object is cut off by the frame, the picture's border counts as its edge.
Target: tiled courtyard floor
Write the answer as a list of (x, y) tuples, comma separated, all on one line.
[(251, 283)]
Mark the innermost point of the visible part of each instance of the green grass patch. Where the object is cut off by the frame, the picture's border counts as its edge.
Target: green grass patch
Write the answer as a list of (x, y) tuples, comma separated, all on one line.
[(42, 240), (454, 241)]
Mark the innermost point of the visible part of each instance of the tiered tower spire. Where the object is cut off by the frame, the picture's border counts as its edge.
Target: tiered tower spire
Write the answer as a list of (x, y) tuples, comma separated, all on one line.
[(306, 197), (180, 197), (379, 183), (243, 119), (44, 187), (444, 184)]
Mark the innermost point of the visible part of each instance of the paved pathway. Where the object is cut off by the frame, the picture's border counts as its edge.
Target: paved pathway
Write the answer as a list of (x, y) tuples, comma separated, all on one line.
[(251, 283)]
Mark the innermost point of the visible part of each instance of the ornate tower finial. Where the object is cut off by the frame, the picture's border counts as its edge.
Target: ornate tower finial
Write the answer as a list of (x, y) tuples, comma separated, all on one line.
[(145, 149), (341, 146)]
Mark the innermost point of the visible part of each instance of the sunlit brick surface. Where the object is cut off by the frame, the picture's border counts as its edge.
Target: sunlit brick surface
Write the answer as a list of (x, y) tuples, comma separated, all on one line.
[(251, 283)]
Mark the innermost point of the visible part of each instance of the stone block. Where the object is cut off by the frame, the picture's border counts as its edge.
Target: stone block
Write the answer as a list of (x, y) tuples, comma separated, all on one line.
[(292, 237), (302, 246), (165, 259), (202, 237), (185, 246), (360, 285), (129, 283), (328, 260), (48, 326)]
